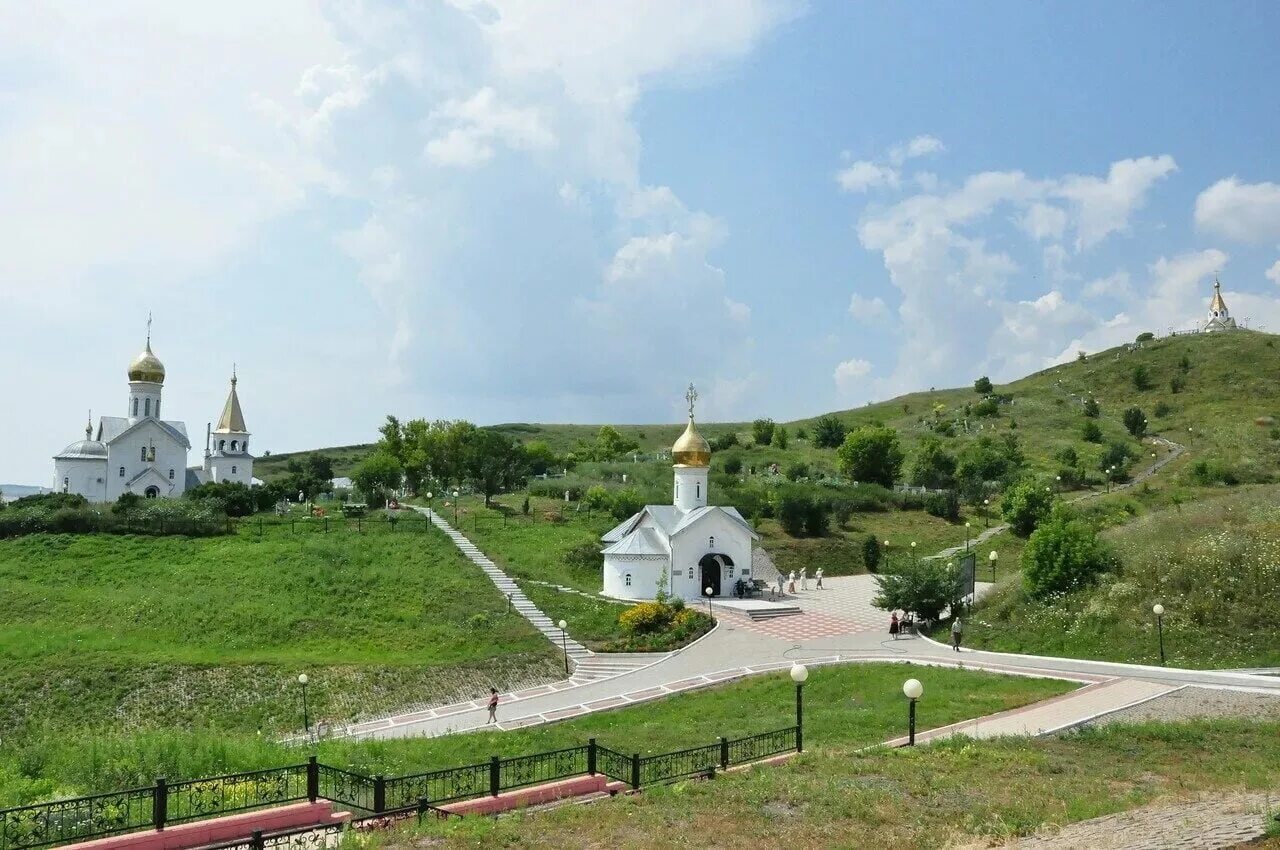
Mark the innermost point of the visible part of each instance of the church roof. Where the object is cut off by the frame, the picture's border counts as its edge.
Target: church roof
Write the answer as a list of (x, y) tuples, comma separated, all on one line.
[(642, 541), (232, 418), (83, 449), (112, 428), (671, 521), (1217, 303)]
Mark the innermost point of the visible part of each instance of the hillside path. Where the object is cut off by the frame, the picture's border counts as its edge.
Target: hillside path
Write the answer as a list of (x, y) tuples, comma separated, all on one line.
[(1175, 450)]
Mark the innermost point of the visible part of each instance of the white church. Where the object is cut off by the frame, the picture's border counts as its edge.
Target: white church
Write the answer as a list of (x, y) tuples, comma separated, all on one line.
[(144, 454), (683, 548)]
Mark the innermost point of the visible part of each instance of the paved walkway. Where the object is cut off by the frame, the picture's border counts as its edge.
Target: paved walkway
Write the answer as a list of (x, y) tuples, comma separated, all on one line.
[(1219, 822)]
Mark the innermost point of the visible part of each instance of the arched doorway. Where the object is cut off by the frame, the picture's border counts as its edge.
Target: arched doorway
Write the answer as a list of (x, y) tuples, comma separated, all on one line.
[(712, 567), (151, 492)]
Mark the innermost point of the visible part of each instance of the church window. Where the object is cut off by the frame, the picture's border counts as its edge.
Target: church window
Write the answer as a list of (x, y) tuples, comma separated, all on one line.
[(144, 454), (147, 407), (157, 408), (122, 472), (233, 445), (244, 447), (711, 541), (135, 407), (628, 579), (171, 475), (691, 572), (66, 484), (233, 470), (698, 492), (222, 444)]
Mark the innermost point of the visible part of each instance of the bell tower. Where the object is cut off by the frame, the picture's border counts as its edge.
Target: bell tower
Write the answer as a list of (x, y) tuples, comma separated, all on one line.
[(691, 461)]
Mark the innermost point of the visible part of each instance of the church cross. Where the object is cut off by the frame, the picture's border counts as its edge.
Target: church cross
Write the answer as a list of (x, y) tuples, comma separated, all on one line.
[(691, 396), (148, 329)]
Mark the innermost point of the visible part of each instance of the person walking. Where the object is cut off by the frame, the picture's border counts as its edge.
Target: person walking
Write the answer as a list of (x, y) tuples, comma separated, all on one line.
[(818, 575), (780, 580), (493, 706), (791, 581), (804, 578), (894, 626), (957, 631)]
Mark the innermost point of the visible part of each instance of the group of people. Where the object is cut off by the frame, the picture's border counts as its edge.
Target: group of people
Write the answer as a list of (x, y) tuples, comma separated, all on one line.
[(790, 581), (907, 625)]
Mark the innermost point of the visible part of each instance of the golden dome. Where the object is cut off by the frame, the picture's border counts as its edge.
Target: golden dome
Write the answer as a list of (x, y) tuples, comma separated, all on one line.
[(691, 449), (147, 367)]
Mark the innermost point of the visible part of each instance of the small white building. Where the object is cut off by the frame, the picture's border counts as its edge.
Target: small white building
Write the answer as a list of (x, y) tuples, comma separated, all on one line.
[(144, 454), (685, 547), (1218, 318)]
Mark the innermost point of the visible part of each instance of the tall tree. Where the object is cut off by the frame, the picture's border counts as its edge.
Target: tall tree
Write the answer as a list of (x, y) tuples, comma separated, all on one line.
[(377, 476), (871, 455), (494, 463)]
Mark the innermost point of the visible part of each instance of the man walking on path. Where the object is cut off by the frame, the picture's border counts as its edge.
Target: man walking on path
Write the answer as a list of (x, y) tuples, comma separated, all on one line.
[(957, 631), (791, 581), (493, 706), (818, 575), (804, 578)]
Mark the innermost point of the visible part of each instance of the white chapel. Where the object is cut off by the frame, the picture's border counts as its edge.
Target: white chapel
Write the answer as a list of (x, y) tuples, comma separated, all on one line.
[(1219, 317), (144, 454), (685, 547)]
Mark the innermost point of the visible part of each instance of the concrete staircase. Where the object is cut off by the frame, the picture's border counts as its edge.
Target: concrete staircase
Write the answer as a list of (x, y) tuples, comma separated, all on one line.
[(758, 614), (507, 587), (599, 667)]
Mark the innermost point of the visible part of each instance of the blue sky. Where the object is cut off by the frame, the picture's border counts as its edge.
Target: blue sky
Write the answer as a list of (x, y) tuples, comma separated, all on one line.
[(557, 211)]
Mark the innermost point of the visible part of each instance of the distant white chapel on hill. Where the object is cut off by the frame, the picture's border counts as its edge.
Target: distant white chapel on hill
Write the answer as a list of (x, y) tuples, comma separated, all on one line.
[(144, 454), (685, 547)]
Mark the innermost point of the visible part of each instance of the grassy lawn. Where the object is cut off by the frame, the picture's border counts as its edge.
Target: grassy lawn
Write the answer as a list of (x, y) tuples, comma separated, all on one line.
[(1214, 565), (846, 707), (103, 630), (956, 793)]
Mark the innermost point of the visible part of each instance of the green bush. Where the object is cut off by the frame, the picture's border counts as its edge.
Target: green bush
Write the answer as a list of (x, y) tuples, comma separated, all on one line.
[(871, 553), (625, 503), (1207, 472), (1176, 384), (932, 466), (1062, 555), (828, 432), (1090, 432), (780, 438), (733, 464), (796, 471), (1091, 408), (871, 454), (1145, 336), (727, 440), (762, 431), (1135, 421), (983, 386), (232, 497), (1025, 506), (1162, 409), (944, 505), (987, 408), (925, 586), (1141, 376)]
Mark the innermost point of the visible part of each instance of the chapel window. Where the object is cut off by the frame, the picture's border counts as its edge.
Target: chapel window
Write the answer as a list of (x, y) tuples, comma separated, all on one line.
[(66, 484), (147, 407), (233, 445), (222, 444), (171, 475), (233, 470), (144, 454), (711, 541), (135, 407), (122, 472), (628, 579), (698, 491)]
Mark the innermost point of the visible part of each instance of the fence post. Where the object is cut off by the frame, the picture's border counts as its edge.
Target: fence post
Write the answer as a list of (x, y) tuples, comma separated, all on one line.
[(160, 804), (591, 756), (360, 525), (326, 525), (423, 808), (313, 779), (724, 753), (379, 794), (256, 840), (259, 526), (495, 778), (635, 770)]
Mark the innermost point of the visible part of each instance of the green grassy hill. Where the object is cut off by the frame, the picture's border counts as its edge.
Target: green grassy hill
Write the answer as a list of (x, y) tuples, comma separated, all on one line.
[(107, 631), (1231, 382)]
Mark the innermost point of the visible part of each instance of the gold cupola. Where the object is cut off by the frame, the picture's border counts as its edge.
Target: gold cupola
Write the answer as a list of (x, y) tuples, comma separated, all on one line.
[(691, 449), (146, 366)]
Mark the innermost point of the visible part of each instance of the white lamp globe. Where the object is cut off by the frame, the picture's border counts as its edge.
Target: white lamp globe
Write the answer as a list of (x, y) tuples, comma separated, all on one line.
[(707, 591), (1157, 609), (429, 494), (302, 679), (912, 688), (799, 673), (455, 494), (563, 625)]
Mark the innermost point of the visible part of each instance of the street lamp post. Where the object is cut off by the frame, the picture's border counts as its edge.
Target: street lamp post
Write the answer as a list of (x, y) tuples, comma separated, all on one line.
[(1058, 479), (455, 508), (564, 644), (1158, 610), (799, 673), (707, 591), (913, 550), (306, 721), (992, 558), (430, 496), (986, 513), (913, 690), (967, 526)]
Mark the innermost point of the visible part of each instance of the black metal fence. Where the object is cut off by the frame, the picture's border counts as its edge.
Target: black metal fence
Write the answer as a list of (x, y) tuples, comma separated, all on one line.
[(408, 522), (373, 797)]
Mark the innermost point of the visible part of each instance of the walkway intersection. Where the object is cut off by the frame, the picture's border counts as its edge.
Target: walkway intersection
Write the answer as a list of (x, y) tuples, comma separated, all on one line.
[(837, 625)]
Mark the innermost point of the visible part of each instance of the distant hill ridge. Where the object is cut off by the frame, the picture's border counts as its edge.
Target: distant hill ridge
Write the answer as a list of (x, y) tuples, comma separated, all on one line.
[(1225, 387)]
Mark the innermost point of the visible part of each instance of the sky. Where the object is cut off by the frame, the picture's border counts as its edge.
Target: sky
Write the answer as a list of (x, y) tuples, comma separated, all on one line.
[(558, 211)]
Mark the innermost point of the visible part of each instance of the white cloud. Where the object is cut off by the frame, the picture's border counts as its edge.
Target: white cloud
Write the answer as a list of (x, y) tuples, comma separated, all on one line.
[(738, 311), (1273, 273), (1104, 206), (1245, 212), (1042, 221), (917, 147), (1112, 286), (477, 123), (868, 309), (863, 175), (849, 374)]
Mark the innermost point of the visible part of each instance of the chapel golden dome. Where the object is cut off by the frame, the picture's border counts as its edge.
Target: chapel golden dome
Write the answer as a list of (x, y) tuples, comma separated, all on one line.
[(691, 448), (147, 367)]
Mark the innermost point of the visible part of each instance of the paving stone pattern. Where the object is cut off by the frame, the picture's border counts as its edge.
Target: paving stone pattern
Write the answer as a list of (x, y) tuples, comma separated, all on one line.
[(1220, 822)]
